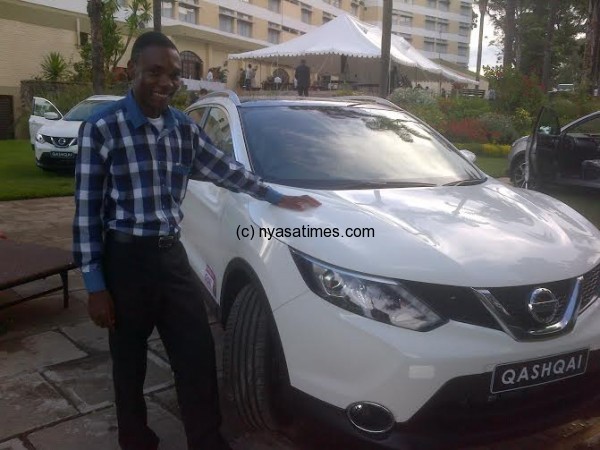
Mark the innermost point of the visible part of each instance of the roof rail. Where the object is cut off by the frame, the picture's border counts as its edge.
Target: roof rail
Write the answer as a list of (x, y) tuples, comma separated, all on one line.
[(224, 93), (369, 98)]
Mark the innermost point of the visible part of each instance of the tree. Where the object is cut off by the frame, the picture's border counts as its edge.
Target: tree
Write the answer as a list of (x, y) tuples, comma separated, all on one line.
[(510, 32), (113, 38), (591, 57), (547, 66), (94, 10), (482, 9), (157, 13), (54, 67)]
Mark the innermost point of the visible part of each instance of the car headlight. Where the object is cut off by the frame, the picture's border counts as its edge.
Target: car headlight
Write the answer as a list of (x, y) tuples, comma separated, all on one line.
[(386, 301), (40, 138)]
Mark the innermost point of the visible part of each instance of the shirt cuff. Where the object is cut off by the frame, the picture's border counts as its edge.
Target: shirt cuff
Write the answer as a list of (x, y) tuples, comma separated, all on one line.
[(94, 281), (272, 196)]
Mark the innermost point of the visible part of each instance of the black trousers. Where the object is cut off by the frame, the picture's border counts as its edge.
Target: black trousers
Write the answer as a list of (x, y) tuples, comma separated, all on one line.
[(155, 287), (303, 91)]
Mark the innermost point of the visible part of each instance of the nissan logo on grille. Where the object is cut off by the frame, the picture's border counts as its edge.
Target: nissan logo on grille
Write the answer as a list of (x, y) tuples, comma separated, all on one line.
[(62, 141), (543, 305)]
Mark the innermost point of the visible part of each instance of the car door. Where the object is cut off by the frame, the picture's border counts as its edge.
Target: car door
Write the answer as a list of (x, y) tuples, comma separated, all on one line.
[(43, 112), (541, 151), (578, 153), (203, 236)]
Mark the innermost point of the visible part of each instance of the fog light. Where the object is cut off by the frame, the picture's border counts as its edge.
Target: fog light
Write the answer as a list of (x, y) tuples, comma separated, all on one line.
[(370, 417)]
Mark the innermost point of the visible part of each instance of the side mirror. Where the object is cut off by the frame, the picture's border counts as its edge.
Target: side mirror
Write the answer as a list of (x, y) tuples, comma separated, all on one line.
[(469, 155), (51, 116)]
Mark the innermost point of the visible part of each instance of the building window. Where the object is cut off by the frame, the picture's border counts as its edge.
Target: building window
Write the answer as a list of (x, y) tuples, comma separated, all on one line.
[(465, 9), (191, 65), (244, 28), (444, 5), (306, 16), (441, 47), (354, 8), (442, 27), (327, 17), (226, 23), (429, 46), (430, 24), (463, 51), (275, 5), (464, 29), (273, 37), (432, 3), (336, 3), (187, 14), (167, 9), (399, 18)]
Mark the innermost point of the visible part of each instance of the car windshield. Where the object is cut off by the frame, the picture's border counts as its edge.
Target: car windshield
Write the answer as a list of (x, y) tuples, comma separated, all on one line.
[(85, 109), (348, 147)]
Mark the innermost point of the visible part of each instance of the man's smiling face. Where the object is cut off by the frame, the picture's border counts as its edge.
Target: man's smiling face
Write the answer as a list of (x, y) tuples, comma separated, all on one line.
[(156, 76)]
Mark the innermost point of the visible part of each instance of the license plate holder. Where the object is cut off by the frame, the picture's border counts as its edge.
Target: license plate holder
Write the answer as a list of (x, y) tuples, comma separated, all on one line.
[(533, 372), (62, 155)]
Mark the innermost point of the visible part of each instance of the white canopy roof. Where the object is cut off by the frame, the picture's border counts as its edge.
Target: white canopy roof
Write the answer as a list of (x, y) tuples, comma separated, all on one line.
[(347, 36)]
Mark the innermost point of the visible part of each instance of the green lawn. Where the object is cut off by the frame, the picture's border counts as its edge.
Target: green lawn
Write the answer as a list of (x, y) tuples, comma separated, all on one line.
[(494, 167), (20, 178)]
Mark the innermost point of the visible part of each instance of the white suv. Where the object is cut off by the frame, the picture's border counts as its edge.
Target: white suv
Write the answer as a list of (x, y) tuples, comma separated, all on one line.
[(422, 303), (54, 136)]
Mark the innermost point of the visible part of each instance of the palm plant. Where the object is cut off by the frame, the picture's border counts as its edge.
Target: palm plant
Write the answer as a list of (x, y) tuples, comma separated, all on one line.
[(54, 67)]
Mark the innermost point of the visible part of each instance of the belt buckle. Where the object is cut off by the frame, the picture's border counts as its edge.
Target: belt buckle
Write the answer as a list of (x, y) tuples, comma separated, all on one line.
[(166, 241)]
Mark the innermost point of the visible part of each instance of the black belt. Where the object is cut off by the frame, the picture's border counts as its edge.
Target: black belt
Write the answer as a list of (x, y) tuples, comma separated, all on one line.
[(151, 241)]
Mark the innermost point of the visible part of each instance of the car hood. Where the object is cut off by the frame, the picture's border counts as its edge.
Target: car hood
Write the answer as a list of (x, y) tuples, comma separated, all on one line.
[(61, 128), (486, 235)]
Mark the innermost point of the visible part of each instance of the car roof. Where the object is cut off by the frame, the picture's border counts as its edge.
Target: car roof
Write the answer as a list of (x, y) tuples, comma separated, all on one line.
[(96, 98), (288, 100)]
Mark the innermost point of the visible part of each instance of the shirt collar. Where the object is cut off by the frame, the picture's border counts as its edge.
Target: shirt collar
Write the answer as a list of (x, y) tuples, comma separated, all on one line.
[(138, 118)]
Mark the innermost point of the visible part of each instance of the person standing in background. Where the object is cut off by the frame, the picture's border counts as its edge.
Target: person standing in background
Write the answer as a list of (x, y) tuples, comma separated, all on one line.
[(302, 76)]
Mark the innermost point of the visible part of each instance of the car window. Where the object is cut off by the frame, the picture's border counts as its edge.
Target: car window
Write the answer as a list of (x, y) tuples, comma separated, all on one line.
[(197, 115), (589, 127), (41, 106), (83, 110), (218, 129), (327, 146)]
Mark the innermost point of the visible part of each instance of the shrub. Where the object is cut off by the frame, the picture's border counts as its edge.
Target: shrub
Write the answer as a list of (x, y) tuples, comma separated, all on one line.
[(493, 150), (54, 67), (457, 108), (499, 128), (468, 130), (431, 115), (407, 97)]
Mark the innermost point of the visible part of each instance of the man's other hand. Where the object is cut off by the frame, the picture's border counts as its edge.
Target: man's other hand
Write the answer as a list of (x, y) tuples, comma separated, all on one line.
[(298, 203), (102, 309)]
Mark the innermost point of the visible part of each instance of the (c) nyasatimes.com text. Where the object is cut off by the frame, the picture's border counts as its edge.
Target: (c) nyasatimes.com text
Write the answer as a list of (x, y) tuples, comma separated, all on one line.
[(305, 231)]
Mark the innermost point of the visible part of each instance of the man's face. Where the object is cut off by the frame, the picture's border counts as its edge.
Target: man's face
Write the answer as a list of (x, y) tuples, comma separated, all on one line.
[(156, 78)]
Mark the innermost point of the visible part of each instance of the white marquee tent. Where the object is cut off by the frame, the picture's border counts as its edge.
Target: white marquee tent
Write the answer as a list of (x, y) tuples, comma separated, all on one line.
[(325, 47)]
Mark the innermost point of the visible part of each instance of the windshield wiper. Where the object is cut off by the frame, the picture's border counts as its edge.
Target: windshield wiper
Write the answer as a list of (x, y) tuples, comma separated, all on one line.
[(469, 182)]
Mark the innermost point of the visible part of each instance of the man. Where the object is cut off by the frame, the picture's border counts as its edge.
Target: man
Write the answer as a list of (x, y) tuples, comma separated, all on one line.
[(134, 160), (249, 75), (302, 76), (209, 76)]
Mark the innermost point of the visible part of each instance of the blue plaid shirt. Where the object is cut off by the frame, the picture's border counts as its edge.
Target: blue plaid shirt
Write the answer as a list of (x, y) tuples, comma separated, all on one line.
[(131, 178)]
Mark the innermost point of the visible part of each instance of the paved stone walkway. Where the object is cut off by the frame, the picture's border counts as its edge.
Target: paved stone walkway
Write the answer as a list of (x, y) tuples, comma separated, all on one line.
[(55, 376)]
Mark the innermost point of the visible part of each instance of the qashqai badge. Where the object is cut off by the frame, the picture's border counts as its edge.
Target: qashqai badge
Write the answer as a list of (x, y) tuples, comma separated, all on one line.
[(543, 305)]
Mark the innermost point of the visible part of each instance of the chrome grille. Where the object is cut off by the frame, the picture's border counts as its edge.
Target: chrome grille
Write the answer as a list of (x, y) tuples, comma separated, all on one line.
[(590, 288), (515, 301), (62, 142)]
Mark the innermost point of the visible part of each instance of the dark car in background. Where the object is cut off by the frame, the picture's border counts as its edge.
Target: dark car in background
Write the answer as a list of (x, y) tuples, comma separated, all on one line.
[(567, 156)]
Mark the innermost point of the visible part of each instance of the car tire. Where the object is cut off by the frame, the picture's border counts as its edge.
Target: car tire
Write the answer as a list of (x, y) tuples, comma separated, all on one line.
[(254, 368), (517, 171)]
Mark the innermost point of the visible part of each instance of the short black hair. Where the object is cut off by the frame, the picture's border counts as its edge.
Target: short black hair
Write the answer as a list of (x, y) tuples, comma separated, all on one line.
[(150, 39)]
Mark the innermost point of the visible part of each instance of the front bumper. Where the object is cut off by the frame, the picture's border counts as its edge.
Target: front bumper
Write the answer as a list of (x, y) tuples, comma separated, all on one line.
[(48, 156), (435, 383), (463, 412)]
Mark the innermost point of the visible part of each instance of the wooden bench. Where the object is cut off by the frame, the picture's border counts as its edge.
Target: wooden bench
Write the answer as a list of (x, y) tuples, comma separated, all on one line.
[(472, 93), (22, 263)]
